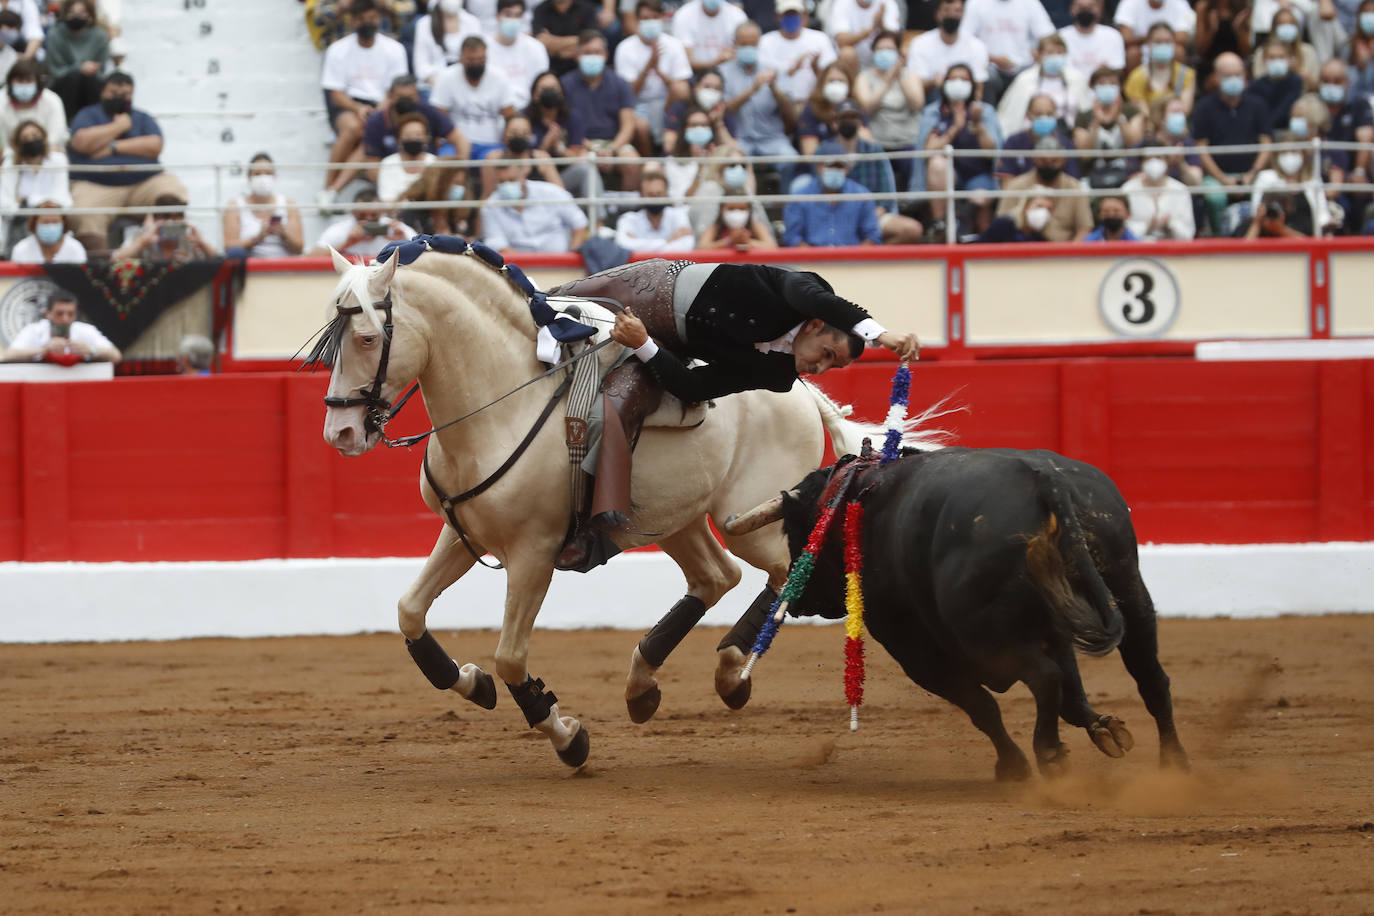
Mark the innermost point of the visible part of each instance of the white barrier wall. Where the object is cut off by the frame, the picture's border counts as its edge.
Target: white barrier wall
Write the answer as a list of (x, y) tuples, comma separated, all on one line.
[(125, 601)]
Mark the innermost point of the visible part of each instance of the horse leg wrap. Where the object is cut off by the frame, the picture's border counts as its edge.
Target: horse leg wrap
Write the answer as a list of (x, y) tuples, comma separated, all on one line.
[(433, 661), (533, 701), (746, 629), (659, 642)]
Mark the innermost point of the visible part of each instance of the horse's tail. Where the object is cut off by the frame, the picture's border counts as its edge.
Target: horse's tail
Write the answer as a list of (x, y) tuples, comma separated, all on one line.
[(847, 435)]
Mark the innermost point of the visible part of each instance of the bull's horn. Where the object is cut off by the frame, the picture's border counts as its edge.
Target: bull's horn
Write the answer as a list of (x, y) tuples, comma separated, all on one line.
[(757, 517)]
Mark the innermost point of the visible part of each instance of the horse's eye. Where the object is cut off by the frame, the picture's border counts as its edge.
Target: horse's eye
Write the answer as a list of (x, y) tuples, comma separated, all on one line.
[(369, 341)]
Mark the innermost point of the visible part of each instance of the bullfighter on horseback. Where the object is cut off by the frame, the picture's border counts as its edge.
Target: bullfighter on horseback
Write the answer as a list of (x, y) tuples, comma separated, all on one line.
[(752, 325)]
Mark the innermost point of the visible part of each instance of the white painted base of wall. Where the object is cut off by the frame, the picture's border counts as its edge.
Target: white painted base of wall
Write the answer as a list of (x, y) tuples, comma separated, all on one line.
[(67, 602)]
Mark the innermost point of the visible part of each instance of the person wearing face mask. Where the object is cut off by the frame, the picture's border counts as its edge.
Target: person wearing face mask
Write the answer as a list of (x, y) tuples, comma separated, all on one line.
[(1279, 88), (1359, 55), (854, 26), (1111, 125), (517, 143), (357, 70), (513, 52), (766, 115), (893, 99), (115, 133), (796, 53), (1023, 223), (654, 226), (1229, 117), (77, 50), (1071, 216), (960, 123), (478, 99), (402, 168), (876, 175), (1051, 75), (817, 119), (1160, 206), (31, 172), (1044, 122), (606, 104), (1136, 18), (708, 95), (1009, 29), (25, 99), (552, 228), (559, 25), (655, 65), (48, 241), (687, 175), (1113, 214), (23, 29), (264, 223), (58, 332), (439, 39), (557, 130), (9, 37), (706, 29), (1169, 123), (1091, 43), (838, 221), (403, 98), (1349, 119), (737, 227), (1162, 76), (1286, 30), (931, 54), (1289, 201)]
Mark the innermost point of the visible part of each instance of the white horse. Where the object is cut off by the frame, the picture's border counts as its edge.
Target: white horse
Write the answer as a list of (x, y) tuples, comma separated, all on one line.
[(465, 331)]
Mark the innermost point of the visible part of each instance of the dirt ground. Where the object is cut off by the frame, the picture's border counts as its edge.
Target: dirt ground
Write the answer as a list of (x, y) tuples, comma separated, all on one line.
[(325, 775)]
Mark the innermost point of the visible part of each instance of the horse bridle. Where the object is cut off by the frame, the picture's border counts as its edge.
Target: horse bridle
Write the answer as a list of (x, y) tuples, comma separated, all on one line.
[(379, 410)]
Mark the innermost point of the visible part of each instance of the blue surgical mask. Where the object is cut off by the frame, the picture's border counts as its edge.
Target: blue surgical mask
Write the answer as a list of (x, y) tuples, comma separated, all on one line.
[(1053, 64), (1042, 125), (1332, 93), (1107, 93), (1232, 86), (735, 176), (591, 65), (1276, 67), (48, 233), (747, 55), (23, 92), (1162, 52), (510, 190), (791, 22), (1176, 122), (509, 27), (698, 135), (885, 58), (457, 191), (833, 179), (650, 29), (1367, 23), (1286, 32), (1298, 125), (711, 6)]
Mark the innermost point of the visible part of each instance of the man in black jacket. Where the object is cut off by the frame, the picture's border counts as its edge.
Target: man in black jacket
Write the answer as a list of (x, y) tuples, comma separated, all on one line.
[(752, 325)]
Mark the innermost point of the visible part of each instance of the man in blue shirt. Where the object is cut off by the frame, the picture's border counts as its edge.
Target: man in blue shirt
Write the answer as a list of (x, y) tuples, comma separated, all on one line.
[(766, 115), (827, 223), (606, 103), (1229, 117), (1112, 213), (115, 133)]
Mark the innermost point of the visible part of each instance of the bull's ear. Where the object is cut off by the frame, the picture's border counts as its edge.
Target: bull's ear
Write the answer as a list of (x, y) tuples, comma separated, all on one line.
[(341, 263)]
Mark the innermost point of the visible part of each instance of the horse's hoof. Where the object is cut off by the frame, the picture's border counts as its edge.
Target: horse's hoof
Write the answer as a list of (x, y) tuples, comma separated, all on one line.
[(1172, 756), (1111, 736), (736, 698), (643, 707), (1013, 769), (483, 690), (575, 754)]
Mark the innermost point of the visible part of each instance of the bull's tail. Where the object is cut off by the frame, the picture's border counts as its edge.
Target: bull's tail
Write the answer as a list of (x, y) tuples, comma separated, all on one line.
[(847, 436), (1092, 620)]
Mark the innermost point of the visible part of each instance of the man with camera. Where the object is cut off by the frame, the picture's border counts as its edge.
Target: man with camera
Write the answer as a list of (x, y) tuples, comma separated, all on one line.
[(366, 232), (166, 237), (59, 338)]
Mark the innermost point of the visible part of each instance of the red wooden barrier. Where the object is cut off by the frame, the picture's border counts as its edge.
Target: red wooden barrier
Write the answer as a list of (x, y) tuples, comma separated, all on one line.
[(234, 467)]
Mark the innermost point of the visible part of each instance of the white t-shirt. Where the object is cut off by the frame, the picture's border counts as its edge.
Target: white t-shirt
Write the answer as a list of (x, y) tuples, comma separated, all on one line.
[(27, 251), (47, 111), (35, 336), (337, 234), (31, 20), (849, 16), (634, 232), (778, 52), (1139, 15), (430, 59), (476, 110), (928, 57), (1009, 28), (706, 36), (632, 54), (519, 62), (34, 183), (363, 73), (542, 227), (393, 179), (1102, 47)]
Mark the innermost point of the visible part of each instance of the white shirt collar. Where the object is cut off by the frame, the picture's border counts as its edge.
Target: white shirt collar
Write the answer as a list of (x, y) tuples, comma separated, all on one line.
[(781, 345)]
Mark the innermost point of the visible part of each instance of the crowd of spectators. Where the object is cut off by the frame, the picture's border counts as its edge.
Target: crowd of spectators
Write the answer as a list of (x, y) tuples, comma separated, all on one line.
[(655, 89)]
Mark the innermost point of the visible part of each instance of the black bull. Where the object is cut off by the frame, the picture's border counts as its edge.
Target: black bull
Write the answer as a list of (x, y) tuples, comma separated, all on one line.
[(983, 567)]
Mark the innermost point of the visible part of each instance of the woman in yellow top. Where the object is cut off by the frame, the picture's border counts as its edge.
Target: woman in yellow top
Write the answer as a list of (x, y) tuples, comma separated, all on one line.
[(1161, 76)]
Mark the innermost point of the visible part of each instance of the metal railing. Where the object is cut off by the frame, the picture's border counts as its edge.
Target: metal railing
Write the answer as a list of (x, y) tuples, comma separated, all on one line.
[(598, 202)]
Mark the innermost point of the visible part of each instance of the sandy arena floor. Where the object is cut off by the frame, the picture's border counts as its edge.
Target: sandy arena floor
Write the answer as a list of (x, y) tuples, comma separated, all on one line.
[(325, 775)]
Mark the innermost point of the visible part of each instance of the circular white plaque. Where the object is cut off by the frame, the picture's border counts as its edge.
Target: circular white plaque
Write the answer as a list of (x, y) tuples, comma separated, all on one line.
[(1138, 298)]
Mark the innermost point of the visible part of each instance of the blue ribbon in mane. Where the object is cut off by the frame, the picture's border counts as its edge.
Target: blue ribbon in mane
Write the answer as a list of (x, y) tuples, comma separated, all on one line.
[(564, 329)]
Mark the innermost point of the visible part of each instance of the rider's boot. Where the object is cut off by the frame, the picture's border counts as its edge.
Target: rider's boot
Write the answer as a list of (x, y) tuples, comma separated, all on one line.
[(610, 509)]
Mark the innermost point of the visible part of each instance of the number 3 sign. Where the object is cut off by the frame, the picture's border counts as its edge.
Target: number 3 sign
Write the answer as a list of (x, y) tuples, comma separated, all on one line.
[(1138, 298)]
